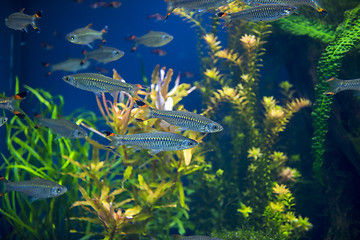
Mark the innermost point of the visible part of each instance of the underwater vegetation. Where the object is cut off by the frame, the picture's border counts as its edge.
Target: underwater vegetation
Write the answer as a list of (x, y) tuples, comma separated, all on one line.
[(237, 180)]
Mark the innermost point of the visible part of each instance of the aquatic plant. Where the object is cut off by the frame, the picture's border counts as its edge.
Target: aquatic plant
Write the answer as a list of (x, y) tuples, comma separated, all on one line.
[(230, 88), (301, 25), (152, 197), (38, 153), (347, 38)]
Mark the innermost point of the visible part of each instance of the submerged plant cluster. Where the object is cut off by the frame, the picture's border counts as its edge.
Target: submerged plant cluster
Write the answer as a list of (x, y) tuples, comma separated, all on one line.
[(234, 185)]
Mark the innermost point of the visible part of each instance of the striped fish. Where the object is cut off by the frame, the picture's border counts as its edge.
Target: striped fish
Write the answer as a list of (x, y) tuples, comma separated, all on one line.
[(36, 188), (12, 103), (310, 3), (182, 119), (20, 20), (97, 83), (194, 4), (338, 85), (104, 54), (265, 12), (155, 142), (63, 127), (197, 238), (3, 120), (86, 35)]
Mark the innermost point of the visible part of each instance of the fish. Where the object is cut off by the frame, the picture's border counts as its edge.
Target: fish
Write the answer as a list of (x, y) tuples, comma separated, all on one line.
[(86, 35), (104, 54), (310, 3), (152, 39), (196, 238), (12, 103), (187, 74), (112, 4), (194, 4), (36, 188), (3, 120), (61, 126), (97, 83), (156, 17), (69, 65), (338, 85), (264, 12), (47, 46), (155, 141), (20, 20), (159, 52), (184, 120)]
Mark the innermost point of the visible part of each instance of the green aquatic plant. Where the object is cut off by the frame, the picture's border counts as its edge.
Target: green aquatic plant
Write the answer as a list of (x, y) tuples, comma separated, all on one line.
[(300, 25), (230, 87), (330, 63), (38, 153), (148, 194)]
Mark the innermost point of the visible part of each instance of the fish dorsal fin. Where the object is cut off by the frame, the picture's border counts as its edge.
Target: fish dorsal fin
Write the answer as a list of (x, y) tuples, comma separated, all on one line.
[(116, 75), (22, 10), (89, 25)]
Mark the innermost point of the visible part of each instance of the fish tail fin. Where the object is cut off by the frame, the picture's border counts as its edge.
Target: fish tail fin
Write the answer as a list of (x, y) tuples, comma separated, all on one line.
[(14, 104), (334, 86), (82, 62), (45, 64), (34, 23), (4, 180), (133, 48), (47, 74), (116, 140), (322, 11), (138, 87), (105, 30), (226, 17), (146, 111), (130, 38)]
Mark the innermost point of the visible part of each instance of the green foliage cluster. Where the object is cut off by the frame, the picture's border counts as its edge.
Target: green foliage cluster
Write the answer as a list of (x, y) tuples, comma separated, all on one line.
[(247, 151), (300, 25), (124, 192), (38, 153), (347, 38)]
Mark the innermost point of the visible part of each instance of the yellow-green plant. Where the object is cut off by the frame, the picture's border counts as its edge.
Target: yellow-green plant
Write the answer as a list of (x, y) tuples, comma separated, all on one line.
[(151, 192), (230, 89)]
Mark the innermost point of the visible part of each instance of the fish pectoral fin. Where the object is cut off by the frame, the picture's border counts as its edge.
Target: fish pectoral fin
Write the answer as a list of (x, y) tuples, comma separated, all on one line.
[(90, 46), (32, 200), (153, 152), (114, 94), (25, 29)]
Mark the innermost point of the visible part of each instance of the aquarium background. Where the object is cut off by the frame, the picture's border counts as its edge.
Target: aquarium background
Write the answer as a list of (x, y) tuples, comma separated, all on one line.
[(329, 199)]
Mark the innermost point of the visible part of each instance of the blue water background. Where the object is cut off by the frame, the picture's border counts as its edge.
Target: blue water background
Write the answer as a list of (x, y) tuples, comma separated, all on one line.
[(65, 16)]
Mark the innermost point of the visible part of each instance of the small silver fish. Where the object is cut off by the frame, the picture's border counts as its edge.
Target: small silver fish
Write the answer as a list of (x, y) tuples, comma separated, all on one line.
[(265, 12), (194, 4), (197, 238), (104, 54), (3, 120), (63, 127), (310, 3), (70, 65), (36, 188), (97, 83), (155, 142), (12, 103), (86, 35), (20, 20), (184, 120), (152, 39), (338, 85)]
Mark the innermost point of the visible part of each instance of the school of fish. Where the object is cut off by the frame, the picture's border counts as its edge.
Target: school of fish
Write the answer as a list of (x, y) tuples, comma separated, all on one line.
[(259, 10)]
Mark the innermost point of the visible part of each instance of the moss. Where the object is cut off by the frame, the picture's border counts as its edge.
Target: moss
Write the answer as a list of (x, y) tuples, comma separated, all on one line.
[(300, 25), (347, 38)]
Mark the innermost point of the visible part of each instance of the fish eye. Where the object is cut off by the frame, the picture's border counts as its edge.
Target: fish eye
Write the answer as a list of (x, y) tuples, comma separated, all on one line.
[(117, 53), (191, 143), (58, 190)]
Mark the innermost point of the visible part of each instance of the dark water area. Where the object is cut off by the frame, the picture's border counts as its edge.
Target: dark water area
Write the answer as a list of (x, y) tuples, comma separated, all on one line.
[(218, 193)]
